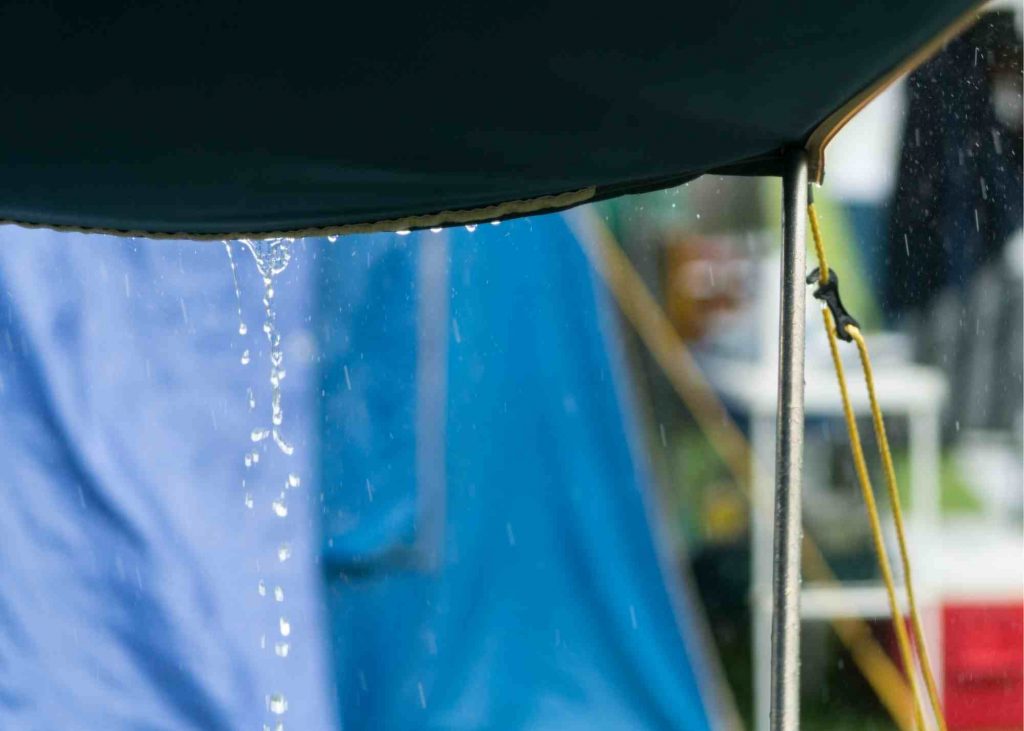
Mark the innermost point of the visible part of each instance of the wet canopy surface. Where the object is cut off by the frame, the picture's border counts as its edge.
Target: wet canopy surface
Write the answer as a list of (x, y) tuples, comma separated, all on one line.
[(210, 118)]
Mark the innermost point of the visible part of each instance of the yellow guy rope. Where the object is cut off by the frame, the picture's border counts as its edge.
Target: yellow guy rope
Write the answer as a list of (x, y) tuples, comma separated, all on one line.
[(869, 499)]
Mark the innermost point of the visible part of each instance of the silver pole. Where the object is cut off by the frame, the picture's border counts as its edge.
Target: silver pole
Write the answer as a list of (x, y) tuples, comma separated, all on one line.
[(789, 445)]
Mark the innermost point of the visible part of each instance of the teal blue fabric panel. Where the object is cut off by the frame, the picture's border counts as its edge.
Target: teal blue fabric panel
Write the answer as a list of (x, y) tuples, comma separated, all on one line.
[(551, 606)]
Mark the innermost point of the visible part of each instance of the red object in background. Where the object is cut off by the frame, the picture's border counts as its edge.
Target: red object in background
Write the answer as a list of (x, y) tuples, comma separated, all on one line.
[(984, 666)]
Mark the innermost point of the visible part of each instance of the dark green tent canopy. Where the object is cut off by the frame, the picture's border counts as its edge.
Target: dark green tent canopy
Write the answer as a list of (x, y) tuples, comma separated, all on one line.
[(214, 117)]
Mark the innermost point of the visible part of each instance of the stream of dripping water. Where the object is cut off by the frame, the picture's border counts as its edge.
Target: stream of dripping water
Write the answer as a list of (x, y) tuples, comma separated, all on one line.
[(242, 328), (272, 257)]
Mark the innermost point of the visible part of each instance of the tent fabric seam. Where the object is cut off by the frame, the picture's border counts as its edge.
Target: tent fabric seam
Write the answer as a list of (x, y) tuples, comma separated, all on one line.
[(524, 206)]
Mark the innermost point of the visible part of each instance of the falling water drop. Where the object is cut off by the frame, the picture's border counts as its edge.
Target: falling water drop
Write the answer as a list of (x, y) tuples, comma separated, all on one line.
[(284, 626), (261, 588), (280, 509), (248, 500), (281, 649), (403, 232), (259, 434), (278, 594), (277, 704), (293, 480), (284, 552), (276, 413), (245, 357), (284, 446), (471, 227)]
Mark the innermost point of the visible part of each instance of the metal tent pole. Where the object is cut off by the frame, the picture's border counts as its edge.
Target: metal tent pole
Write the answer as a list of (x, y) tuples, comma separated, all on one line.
[(785, 668)]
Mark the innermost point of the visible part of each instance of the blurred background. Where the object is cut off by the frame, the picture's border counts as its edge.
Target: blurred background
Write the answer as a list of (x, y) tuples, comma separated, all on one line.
[(921, 212), (518, 475)]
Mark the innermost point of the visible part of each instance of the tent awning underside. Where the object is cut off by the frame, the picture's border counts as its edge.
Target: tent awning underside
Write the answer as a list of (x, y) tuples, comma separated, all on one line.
[(213, 119)]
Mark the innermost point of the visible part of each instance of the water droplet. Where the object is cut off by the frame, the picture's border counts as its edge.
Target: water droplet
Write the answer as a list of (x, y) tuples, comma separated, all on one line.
[(278, 594), (281, 649), (280, 509), (293, 480), (246, 357), (403, 232), (248, 460), (284, 626), (284, 446), (495, 223), (471, 227), (248, 500), (436, 230), (261, 587), (284, 552), (242, 328), (277, 704), (332, 238), (258, 435), (276, 414)]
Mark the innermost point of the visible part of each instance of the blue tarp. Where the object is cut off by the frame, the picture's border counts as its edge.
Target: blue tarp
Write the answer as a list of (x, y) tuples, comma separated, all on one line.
[(528, 593), (488, 551), (128, 561)]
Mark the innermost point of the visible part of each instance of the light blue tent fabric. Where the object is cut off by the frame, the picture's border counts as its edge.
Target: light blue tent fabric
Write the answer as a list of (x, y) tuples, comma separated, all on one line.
[(529, 594), (128, 561)]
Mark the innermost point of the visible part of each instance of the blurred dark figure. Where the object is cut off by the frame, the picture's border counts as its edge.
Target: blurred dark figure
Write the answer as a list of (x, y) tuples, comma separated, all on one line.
[(958, 194), (954, 253)]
